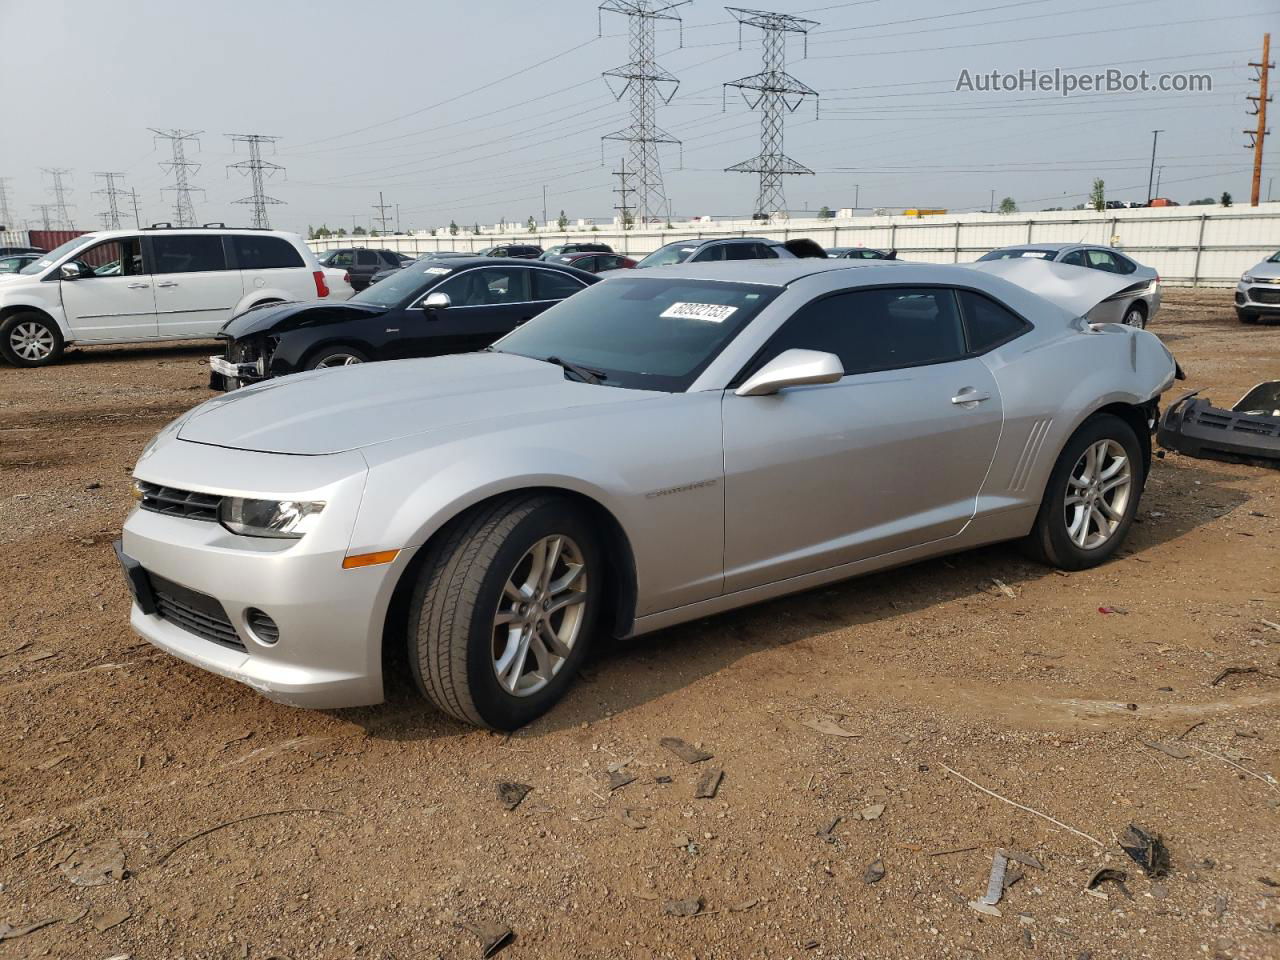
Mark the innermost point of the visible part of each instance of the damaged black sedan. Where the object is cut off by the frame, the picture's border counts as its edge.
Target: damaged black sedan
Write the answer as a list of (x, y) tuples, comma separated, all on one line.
[(427, 309)]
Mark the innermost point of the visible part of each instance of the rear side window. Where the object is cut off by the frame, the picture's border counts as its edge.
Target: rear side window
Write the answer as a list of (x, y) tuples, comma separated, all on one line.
[(550, 285), (187, 254), (389, 258), (988, 324), (366, 258), (881, 329), (265, 253)]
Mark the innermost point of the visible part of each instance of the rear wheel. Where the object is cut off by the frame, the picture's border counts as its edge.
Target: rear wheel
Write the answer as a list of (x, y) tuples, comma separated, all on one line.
[(336, 357), (31, 340), (1092, 496), (1136, 315), (504, 609)]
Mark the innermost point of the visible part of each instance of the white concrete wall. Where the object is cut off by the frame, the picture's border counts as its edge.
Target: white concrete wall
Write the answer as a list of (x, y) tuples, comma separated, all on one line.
[(1189, 246)]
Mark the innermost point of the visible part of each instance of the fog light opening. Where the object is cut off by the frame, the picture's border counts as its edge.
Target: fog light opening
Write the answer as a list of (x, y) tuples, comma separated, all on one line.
[(262, 627)]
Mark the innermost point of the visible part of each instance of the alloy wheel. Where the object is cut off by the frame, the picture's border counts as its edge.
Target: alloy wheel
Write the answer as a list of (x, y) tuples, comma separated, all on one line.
[(338, 360), (539, 615), (1098, 492), (1134, 318), (31, 341)]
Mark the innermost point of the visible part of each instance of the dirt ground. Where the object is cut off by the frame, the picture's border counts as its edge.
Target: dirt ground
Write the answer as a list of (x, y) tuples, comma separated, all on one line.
[(378, 833)]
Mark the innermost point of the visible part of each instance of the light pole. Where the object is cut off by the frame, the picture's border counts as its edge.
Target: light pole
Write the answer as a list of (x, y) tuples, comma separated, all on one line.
[(1159, 174), (1155, 136)]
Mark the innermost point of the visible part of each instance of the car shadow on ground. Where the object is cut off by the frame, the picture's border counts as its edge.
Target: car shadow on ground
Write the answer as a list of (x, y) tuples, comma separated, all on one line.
[(622, 674), (148, 351)]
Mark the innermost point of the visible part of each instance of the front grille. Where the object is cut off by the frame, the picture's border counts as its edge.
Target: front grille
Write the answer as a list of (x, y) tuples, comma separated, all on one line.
[(179, 503), (194, 612), (1264, 295)]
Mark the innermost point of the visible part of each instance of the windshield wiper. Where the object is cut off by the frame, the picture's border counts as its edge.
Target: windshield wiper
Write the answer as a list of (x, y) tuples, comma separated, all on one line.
[(585, 374)]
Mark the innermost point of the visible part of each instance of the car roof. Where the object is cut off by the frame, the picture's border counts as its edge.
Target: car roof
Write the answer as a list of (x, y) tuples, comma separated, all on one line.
[(465, 262)]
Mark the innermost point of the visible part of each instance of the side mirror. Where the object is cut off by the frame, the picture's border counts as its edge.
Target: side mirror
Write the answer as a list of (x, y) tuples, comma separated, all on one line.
[(792, 368), (69, 271), (436, 301)]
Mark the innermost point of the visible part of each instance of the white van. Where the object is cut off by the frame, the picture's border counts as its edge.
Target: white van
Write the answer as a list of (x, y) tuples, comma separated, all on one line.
[(134, 286)]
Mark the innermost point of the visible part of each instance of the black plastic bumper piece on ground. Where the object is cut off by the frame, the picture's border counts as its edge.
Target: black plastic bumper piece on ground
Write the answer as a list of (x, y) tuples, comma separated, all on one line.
[(1192, 425)]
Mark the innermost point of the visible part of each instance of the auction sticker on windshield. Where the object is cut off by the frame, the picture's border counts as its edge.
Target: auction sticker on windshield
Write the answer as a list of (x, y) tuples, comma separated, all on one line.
[(437, 270), (710, 312)]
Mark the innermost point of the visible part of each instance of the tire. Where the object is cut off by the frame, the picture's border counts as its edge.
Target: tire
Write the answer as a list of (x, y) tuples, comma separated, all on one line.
[(335, 356), (467, 662), (1056, 537), (31, 340), (1135, 315), (1244, 316)]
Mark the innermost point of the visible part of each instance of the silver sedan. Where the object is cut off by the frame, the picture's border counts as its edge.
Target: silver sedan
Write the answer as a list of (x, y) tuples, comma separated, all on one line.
[(668, 444), (1135, 303)]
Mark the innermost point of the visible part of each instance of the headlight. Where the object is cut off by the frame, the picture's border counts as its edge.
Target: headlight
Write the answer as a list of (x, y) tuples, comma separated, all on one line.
[(1246, 279), (281, 519)]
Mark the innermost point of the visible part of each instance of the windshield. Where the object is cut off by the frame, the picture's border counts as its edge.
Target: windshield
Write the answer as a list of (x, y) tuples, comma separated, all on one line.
[(670, 254), (1012, 254), (53, 256), (1274, 258), (646, 334), (401, 284)]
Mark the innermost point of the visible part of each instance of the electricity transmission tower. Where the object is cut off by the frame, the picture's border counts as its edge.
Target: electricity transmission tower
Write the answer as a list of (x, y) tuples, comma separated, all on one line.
[(776, 93), (623, 191), (6, 219), (44, 209), (648, 84), (111, 216), (184, 212), (61, 209), (255, 167), (382, 209), (1260, 110)]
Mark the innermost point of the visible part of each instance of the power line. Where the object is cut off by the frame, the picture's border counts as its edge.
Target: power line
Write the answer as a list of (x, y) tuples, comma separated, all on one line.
[(777, 94), (111, 216), (649, 84), (61, 211), (256, 169), (184, 211)]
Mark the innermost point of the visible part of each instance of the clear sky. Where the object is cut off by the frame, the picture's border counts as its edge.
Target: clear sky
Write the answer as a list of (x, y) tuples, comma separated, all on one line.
[(466, 110)]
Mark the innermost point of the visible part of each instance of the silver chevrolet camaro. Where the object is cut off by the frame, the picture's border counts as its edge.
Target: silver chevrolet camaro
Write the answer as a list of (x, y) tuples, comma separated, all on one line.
[(665, 445)]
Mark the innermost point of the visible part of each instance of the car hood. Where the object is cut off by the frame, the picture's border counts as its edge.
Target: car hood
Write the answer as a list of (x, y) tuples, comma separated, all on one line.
[(1265, 269), (1076, 289), (288, 316), (345, 408)]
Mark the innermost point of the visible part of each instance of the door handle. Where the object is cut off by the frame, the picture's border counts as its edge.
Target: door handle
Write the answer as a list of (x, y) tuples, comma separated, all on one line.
[(969, 395), (138, 286), (167, 283)]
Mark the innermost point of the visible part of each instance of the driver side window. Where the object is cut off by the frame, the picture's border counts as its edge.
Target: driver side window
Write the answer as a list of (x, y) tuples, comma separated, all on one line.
[(112, 258), (488, 286), (879, 329)]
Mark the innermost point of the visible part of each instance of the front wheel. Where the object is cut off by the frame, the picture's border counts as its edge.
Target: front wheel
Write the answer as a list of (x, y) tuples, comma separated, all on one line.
[(1092, 496), (336, 357), (30, 340), (504, 609)]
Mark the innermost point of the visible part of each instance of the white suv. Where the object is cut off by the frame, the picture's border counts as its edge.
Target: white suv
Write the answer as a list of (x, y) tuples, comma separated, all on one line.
[(130, 286)]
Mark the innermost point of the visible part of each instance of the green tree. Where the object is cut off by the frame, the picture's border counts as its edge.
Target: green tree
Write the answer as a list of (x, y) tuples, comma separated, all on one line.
[(1226, 198), (359, 232), (562, 221), (475, 228), (1007, 205), (825, 213), (311, 232), (453, 228), (532, 225), (342, 231), (1098, 195), (594, 228)]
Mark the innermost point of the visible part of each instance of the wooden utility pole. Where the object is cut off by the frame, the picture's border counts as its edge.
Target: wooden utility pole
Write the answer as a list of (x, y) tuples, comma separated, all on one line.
[(1260, 108)]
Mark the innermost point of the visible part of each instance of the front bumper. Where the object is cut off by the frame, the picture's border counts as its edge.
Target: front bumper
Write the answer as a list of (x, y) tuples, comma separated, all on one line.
[(1258, 297), (226, 375), (330, 620)]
